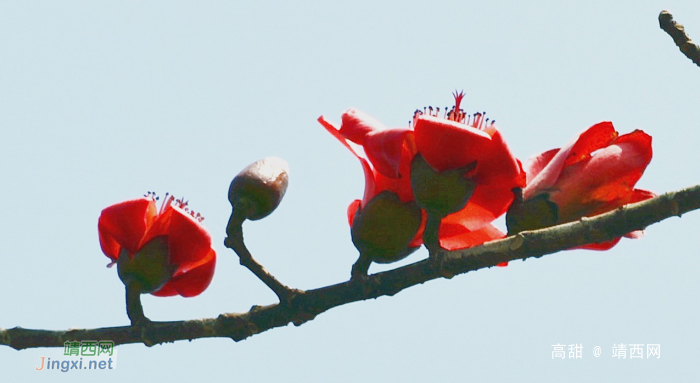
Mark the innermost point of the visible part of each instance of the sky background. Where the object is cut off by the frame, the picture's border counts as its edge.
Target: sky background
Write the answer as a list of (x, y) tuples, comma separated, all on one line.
[(103, 101)]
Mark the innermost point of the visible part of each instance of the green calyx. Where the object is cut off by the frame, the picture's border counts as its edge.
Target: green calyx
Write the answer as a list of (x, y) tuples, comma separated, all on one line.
[(149, 269), (383, 229), (536, 213), (440, 193)]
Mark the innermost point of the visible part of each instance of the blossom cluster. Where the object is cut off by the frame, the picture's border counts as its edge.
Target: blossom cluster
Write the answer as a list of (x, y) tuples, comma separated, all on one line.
[(440, 182), (445, 178)]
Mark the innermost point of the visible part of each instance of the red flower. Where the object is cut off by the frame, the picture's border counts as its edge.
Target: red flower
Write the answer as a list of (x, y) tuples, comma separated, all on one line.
[(459, 141), (166, 251), (593, 174), (446, 144), (385, 155)]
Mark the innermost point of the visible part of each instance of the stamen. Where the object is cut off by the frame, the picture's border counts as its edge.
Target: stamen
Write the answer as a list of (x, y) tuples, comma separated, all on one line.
[(477, 120), (167, 201)]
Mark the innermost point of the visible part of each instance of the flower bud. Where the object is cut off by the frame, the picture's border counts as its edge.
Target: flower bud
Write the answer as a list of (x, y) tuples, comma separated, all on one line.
[(258, 189)]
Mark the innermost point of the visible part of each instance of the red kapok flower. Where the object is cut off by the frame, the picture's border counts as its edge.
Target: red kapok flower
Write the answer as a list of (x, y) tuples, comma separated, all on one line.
[(392, 225), (593, 174), (446, 144), (164, 252), (457, 141)]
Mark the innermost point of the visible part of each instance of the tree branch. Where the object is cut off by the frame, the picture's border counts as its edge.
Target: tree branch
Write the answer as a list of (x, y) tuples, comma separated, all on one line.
[(235, 242), (682, 40), (306, 305)]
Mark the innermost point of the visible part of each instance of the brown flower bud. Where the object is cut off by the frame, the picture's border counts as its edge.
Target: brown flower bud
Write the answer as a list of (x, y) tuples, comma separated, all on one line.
[(258, 189)]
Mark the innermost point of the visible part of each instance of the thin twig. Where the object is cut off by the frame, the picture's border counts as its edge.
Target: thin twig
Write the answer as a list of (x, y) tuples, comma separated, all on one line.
[(235, 242), (682, 40), (307, 306)]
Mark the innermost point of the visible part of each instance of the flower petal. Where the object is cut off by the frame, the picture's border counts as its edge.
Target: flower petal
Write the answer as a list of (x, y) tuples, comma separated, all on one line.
[(386, 149), (609, 175), (599, 246), (455, 236), (370, 186), (596, 137), (485, 205), (591, 139), (534, 165), (124, 225), (357, 124), (189, 241), (447, 145), (193, 281), (499, 166), (352, 210)]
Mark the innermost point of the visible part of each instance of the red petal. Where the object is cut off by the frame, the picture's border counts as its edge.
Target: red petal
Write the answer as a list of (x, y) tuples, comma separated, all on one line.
[(498, 165), (188, 241), (639, 195), (608, 176), (356, 125), (401, 186), (534, 165), (447, 145), (485, 205), (124, 225), (193, 281), (596, 137), (591, 139), (454, 236), (370, 187), (600, 246), (385, 149), (640, 141), (418, 239), (352, 210)]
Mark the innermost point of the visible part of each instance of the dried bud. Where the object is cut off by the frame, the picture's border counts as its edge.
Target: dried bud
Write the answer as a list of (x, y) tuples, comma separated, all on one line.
[(258, 189)]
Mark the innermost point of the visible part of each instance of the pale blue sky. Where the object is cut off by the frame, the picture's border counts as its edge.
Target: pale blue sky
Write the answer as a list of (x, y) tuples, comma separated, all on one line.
[(101, 102)]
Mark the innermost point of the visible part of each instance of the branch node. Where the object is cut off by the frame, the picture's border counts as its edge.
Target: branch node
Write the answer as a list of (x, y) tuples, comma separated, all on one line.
[(438, 263), (517, 241)]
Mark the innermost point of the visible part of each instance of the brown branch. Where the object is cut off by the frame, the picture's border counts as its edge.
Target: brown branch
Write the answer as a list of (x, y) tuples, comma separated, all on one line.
[(235, 242), (307, 305), (682, 40)]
